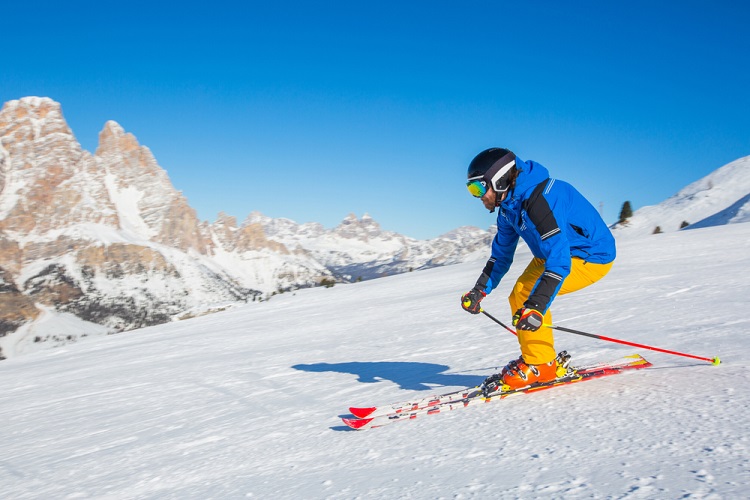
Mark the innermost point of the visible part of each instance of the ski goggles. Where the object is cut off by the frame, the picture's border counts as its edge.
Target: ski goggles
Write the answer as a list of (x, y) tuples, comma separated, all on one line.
[(477, 186)]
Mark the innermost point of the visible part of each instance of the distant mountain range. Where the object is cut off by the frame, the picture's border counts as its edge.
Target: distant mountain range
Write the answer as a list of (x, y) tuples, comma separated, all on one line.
[(99, 243)]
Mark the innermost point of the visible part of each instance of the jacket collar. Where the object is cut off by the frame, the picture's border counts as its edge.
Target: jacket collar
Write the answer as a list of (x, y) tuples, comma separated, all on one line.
[(530, 174)]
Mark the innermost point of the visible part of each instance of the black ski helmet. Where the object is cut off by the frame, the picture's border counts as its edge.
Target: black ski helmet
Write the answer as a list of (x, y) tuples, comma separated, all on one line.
[(493, 166)]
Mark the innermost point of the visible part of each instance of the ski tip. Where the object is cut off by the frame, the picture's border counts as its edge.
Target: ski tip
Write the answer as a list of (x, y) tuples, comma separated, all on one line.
[(361, 412), (639, 361), (715, 361), (356, 423)]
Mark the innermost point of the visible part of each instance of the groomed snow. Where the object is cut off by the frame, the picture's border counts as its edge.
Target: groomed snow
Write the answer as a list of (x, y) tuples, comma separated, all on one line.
[(246, 403)]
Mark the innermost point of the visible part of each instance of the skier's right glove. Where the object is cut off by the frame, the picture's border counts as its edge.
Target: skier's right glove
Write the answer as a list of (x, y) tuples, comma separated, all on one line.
[(470, 301)]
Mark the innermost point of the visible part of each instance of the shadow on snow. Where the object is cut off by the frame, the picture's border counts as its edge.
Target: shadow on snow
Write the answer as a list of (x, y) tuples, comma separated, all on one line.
[(408, 375)]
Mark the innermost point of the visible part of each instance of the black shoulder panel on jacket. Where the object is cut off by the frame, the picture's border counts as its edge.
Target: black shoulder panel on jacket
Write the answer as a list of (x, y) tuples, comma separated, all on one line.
[(540, 212)]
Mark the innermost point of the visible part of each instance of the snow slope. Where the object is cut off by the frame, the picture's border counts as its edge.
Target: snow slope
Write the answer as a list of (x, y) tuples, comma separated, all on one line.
[(246, 403), (721, 197)]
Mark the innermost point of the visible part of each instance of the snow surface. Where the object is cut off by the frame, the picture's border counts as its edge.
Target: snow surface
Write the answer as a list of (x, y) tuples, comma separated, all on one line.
[(56, 328), (126, 200), (246, 403)]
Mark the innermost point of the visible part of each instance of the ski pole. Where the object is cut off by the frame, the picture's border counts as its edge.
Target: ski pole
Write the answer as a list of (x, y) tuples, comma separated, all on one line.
[(498, 322), (714, 360)]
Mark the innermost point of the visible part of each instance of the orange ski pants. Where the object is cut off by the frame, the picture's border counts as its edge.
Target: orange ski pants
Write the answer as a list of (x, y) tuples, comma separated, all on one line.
[(539, 347)]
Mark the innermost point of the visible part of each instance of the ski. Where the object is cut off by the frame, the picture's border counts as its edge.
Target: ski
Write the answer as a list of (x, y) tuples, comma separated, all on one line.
[(459, 395), (378, 416), (417, 404)]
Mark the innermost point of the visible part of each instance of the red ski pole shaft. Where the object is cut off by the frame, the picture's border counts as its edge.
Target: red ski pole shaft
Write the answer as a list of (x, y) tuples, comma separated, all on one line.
[(714, 360), (498, 322)]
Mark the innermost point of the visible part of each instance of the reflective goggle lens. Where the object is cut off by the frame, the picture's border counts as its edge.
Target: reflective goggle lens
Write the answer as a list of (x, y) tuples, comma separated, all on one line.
[(477, 188)]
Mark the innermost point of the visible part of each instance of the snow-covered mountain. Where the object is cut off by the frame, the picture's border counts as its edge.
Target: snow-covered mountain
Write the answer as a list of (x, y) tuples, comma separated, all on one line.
[(722, 197), (246, 403), (103, 242), (360, 248)]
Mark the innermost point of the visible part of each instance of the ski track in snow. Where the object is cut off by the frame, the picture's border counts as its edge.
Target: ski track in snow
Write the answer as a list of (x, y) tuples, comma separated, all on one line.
[(224, 406)]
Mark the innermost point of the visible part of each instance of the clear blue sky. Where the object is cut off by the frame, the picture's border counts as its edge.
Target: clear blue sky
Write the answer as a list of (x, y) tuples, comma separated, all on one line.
[(312, 110)]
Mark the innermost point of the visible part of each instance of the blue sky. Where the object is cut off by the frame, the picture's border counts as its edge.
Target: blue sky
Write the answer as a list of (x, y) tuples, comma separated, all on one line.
[(313, 110)]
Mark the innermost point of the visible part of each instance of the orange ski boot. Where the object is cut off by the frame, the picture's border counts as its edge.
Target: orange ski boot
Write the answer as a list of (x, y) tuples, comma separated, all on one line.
[(518, 373)]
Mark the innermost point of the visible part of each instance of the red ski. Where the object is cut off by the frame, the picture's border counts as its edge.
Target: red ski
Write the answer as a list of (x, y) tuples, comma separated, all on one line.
[(371, 417)]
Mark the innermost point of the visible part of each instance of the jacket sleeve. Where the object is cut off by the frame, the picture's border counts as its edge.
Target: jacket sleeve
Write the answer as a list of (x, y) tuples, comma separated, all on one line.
[(548, 216), (503, 249)]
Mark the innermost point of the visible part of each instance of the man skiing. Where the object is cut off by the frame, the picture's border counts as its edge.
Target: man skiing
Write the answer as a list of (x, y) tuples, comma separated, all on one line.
[(571, 245)]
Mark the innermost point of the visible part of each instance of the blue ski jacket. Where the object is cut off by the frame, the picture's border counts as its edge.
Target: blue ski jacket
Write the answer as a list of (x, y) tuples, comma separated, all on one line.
[(556, 222)]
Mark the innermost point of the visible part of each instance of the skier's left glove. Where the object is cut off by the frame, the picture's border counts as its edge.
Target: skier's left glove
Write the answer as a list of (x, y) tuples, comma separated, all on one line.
[(528, 319), (470, 301)]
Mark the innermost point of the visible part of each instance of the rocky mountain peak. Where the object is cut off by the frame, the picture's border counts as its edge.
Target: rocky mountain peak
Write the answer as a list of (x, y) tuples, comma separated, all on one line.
[(35, 110), (44, 173), (34, 122), (128, 159), (113, 138), (362, 229), (225, 220), (149, 205)]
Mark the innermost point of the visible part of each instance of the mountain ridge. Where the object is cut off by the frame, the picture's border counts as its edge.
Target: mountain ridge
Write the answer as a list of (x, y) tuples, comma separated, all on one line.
[(721, 197)]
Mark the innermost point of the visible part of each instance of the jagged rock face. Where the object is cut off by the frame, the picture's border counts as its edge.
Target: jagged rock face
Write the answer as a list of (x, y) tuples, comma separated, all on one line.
[(46, 180), (12, 256), (53, 287), (161, 214), (15, 307), (53, 191), (252, 237), (224, 230), (67, 220), (118, 260), (76, 292), (364, 229)]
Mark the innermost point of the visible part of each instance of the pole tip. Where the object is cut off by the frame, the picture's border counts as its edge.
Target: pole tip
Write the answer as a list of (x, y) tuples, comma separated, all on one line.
[(715, 361)]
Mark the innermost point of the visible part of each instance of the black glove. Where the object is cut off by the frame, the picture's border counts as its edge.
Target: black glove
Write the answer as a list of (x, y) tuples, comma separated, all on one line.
[(470, 301), (527, 318)]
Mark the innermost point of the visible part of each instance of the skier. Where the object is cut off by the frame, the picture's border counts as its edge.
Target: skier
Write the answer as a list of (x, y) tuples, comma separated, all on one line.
[(572, 248)]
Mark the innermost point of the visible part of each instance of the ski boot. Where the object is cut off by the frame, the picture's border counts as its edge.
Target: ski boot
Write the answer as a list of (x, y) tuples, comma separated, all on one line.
[(518, 374)]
